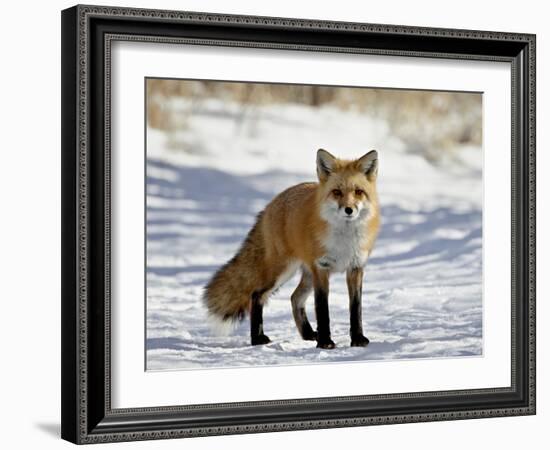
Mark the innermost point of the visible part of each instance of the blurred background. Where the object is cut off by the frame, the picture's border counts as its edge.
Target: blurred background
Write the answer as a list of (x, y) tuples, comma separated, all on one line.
[(218, 152), (430, 122)]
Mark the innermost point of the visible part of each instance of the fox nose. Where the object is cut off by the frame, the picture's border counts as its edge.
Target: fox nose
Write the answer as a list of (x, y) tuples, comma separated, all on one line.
[(348, 210)]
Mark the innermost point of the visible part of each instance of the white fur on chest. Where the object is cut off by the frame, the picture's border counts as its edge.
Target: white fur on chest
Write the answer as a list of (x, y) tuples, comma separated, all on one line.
[(342, 245)]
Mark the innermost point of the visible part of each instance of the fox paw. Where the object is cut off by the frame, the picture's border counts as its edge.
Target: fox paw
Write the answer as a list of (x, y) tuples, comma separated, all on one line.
[(309, 335), (359, 341), (326, 343), (261, 339)]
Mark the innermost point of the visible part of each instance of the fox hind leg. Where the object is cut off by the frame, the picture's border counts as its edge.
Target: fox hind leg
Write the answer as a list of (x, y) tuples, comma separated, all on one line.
[(298, 300), (257, 336)]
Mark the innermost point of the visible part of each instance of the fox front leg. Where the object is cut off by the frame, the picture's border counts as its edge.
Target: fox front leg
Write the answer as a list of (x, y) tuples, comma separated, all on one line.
[(320, 289), (354, 278)]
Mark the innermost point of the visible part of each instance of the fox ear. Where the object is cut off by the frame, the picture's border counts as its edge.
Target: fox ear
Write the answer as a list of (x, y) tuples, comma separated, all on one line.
[(369, 164), (325, 164)]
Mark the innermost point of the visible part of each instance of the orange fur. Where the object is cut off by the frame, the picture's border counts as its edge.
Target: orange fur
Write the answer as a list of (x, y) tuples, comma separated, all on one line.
[(291, 231)]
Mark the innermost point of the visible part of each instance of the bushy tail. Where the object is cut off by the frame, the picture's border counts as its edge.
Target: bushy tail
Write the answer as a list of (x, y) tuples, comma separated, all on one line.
[(227, 295)]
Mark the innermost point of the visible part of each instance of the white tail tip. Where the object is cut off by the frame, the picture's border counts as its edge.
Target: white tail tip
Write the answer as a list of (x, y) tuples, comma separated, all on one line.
[(220, 327)]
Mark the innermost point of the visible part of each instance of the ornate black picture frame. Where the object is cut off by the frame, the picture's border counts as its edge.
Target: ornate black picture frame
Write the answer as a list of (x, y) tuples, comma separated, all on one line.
[(87, 34)]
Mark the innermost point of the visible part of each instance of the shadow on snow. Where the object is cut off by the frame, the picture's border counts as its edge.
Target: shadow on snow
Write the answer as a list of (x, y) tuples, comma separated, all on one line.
[(188, 201)]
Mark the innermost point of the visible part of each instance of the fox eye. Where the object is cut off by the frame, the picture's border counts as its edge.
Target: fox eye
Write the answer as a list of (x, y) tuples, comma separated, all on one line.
[(337, 192), (359, 192)]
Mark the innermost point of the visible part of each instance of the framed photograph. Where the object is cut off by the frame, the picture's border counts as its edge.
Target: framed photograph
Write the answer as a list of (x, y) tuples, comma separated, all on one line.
[(279, 224)]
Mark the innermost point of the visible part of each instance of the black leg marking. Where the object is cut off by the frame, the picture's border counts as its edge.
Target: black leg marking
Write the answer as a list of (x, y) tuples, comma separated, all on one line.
[(355, 314), (306, 331), (323, 320), (355, 282), (257, 336), (298, 300)]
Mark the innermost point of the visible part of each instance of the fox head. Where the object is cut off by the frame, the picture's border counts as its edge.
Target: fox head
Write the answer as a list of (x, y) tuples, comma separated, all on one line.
[(347, 187)]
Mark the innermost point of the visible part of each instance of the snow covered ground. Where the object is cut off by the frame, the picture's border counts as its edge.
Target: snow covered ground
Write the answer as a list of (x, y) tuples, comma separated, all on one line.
[(206, 181)]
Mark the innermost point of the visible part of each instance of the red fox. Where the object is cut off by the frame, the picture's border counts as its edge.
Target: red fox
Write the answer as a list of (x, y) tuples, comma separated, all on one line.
[(319, 228)]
